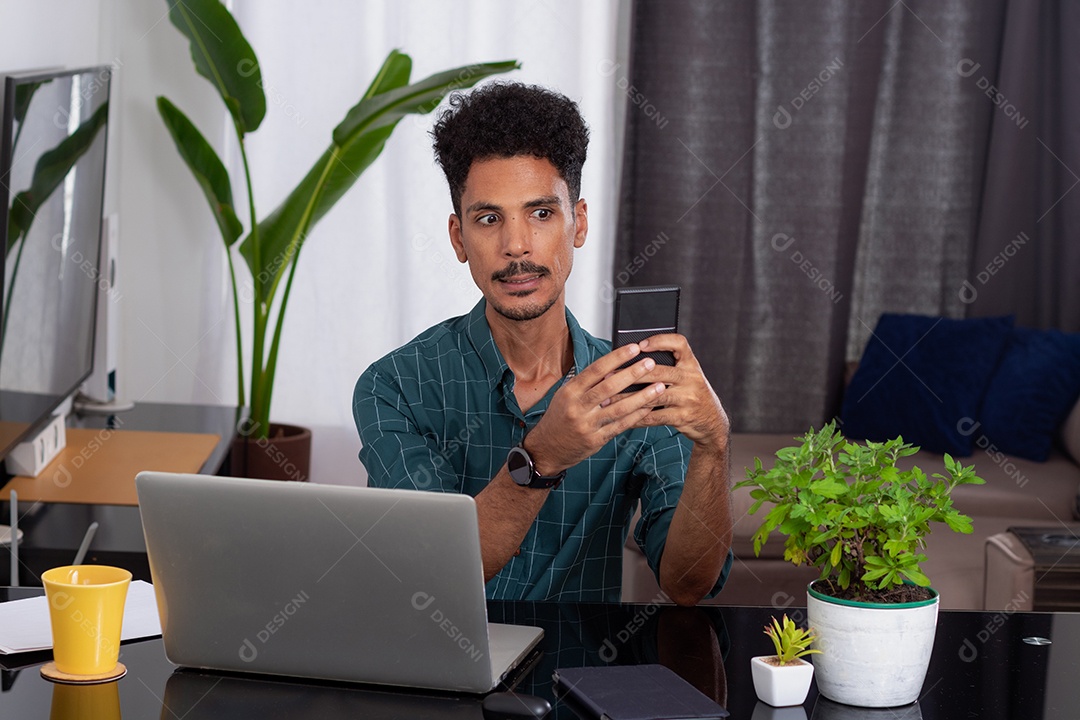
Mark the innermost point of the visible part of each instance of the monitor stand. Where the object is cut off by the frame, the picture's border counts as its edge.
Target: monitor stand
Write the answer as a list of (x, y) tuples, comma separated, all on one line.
[(85, 405), (5, 535)]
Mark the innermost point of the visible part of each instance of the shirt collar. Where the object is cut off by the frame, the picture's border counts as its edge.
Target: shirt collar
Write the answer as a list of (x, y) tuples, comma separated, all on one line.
[(495, 367)]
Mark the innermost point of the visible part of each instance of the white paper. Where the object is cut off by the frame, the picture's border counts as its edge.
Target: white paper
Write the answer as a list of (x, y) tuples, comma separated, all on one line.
[(24, 624)]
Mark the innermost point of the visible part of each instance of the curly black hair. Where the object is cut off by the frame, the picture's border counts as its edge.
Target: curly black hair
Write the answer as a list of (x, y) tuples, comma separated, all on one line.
[(508, 119)]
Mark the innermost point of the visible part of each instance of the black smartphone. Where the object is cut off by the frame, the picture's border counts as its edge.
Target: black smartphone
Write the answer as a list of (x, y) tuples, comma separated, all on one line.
[(641, 312)]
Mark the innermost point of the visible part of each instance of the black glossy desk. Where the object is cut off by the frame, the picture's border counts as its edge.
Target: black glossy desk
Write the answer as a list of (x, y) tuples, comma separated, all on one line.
[(54, 531), (981, 668)]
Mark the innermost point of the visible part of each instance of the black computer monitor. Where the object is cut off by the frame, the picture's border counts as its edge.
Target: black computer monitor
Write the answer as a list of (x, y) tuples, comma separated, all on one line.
[(52, 188)]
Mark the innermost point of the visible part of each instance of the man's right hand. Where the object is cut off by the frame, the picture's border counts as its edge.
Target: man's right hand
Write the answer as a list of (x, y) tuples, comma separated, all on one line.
[(590, 409)]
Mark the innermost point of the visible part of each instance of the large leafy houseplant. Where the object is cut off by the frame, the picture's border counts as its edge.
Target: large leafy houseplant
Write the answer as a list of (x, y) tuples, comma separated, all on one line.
[(271, 246), (847, 508)]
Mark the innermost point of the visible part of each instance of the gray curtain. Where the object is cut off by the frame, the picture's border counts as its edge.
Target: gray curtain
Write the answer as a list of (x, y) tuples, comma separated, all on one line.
[(1027, 253), (800, 168)]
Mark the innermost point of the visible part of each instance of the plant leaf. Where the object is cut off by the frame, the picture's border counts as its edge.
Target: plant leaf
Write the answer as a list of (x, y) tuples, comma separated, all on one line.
[(421, 97), (207, 168), (223, 56), (51, 169), (358, 141), (24, 93), (916, 576), (393, 74), (834, 557), (958, 522)]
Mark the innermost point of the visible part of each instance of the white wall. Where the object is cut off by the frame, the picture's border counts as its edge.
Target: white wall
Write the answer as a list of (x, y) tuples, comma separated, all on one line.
[(176, 339), (52, 34), (379, 269), (48, 33)]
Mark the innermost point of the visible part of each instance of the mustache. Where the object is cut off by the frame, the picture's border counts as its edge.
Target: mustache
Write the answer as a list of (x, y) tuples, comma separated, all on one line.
[(522, 267)]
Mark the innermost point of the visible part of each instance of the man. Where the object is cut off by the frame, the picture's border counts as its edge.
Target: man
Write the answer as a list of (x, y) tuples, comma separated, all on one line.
[(519, 407)]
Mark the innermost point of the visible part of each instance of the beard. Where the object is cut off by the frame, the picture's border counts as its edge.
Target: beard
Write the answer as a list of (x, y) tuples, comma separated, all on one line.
[(532, 310), (525, 312)]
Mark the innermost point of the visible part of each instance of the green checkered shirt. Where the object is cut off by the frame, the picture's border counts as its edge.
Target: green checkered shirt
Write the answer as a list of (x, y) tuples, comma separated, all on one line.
[(440, 414)]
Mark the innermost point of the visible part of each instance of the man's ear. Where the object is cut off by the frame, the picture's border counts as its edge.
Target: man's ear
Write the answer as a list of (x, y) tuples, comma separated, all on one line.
[(581, 222), (455, 238)]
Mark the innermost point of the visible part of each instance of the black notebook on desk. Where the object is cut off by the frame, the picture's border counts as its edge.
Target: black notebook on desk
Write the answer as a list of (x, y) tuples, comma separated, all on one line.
[(634, 692)]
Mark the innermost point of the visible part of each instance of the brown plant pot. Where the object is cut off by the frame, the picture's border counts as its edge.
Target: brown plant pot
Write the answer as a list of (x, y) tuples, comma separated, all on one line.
[(284, 455)]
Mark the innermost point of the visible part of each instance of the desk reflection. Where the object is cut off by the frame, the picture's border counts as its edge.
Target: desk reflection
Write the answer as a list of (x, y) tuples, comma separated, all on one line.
[(826, 709), (85, 702), (690, 641), (194, 695)]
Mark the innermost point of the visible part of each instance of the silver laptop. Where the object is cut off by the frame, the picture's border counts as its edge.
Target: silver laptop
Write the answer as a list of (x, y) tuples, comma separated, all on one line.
[(321, 581)]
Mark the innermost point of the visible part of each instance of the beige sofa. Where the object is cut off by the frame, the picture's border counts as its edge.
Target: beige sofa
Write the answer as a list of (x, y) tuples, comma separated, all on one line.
[(1017, 493)]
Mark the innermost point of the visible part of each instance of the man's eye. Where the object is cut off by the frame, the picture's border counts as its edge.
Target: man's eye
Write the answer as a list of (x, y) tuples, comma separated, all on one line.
[(542, 213), (488, 219)]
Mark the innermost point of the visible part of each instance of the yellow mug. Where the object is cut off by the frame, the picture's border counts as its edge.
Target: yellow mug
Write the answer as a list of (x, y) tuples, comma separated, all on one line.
[(86, 608)]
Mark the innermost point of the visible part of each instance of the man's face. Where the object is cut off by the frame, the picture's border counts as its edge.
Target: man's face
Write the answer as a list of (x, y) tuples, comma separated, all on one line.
[(518, 231)]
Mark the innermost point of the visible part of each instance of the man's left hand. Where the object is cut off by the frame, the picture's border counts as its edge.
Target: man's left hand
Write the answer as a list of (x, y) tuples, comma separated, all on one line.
[(689, 404)]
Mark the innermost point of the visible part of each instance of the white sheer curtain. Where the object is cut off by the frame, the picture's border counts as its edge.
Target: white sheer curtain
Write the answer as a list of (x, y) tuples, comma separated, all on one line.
[(379, 269)]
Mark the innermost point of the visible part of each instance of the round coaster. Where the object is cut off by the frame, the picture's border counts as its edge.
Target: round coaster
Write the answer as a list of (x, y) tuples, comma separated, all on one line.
[(49, 672)]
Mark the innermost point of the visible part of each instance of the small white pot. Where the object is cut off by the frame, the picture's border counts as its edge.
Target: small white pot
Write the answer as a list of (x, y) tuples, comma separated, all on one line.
[(872, 654), (781, 685)]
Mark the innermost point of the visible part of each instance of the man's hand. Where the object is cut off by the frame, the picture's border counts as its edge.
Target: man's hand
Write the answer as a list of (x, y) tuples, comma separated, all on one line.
[(588, 410), (689, 404)]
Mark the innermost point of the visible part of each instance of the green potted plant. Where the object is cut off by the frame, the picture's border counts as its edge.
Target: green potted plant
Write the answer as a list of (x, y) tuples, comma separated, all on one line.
[(270, 247), (847, 509), (784, 679)]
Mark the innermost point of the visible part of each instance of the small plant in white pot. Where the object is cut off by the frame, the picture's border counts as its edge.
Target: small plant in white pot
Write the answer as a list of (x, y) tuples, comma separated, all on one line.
[(784, 678), (847, 508)]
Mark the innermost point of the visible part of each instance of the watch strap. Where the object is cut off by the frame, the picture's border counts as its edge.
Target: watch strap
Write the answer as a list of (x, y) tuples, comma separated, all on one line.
[(535, 480)]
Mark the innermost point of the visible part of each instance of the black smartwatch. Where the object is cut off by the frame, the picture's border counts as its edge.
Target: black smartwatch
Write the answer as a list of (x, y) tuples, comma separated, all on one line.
[(523, 471)]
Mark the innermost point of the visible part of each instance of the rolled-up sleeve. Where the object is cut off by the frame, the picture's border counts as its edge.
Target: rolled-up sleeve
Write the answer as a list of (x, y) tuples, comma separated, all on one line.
[(394, 451), (662, 465)]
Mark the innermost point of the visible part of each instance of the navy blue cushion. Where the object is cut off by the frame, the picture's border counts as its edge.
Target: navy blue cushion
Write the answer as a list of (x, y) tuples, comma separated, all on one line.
[(1031, 392), (923, 378)]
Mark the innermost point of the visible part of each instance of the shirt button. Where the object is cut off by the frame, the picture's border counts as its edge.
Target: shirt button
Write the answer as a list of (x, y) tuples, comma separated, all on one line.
[(517, 552), (521, 423)]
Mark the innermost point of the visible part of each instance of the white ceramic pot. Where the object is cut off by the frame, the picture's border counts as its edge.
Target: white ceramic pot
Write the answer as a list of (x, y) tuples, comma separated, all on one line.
[(781, 685), (872, 654)]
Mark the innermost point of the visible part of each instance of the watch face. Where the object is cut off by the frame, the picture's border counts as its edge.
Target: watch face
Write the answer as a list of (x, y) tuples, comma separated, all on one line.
[(519, 464)]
